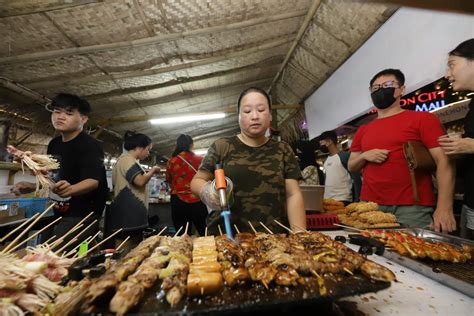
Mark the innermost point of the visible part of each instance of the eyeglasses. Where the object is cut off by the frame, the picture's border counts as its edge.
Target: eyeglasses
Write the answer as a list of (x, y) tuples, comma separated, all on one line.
[(386, 84)]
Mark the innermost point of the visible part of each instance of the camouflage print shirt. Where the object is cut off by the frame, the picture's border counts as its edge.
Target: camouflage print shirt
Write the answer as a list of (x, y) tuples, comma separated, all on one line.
[(258, 174)]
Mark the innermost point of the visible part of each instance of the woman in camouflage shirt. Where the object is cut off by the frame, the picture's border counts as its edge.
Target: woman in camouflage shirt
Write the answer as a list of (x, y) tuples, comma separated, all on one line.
[(264, 171)]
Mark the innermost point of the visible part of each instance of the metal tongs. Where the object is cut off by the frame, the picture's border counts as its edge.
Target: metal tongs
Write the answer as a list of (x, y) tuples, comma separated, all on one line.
[(221, 188)]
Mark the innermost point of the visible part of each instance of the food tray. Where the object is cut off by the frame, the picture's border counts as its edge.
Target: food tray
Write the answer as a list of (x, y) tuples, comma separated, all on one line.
[(254, 298), (459, 276)]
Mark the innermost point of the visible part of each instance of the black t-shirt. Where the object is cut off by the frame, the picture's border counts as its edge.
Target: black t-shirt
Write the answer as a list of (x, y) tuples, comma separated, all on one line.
[(469, 159), (81, 158)]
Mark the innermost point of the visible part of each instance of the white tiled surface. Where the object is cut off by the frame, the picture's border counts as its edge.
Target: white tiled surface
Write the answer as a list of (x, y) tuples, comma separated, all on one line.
[(413, 294)]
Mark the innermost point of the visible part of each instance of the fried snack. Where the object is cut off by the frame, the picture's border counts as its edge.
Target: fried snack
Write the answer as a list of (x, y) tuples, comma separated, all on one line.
[(362, 207), (329, 202), (377, 217)]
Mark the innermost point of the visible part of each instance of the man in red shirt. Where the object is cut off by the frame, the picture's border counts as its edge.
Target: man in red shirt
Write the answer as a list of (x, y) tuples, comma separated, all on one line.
[(377, 149)]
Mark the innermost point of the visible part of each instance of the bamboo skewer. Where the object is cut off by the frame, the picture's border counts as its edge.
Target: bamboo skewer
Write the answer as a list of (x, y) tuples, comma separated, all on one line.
[(76, 237), (220, 230), (302, 229), (281, 225), (50, 239), (236, 229), (22, 224), (12, 244), (253, 228), (60, 240), (349, 227), (122, 243), (88, 240), (73, 229), (57, 252), (103, 241), (266, 228), (186, 229), (179, 230), (34, 235), (162, 230), (205, 232)]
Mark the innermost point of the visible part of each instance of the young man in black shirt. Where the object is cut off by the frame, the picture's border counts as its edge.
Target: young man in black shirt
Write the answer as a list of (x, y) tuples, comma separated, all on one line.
[(81, 185)]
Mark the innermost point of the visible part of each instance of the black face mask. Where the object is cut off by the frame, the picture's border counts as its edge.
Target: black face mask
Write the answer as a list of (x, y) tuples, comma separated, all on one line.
[(383, 97), (324, 149)]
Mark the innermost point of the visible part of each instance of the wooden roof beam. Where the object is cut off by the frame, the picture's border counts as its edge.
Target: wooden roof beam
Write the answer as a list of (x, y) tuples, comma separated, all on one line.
[(42, 84), (301, 31), (269, 62), (148, 40)]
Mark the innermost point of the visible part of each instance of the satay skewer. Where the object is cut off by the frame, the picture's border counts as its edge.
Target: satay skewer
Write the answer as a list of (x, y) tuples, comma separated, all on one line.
[(60, 240), (283, 226), (122, 243), (73, 229), (49, 240), (22, 224), (162, 230), (205, 232), (302, 229), (103, 241), (34, 235), (266, 228), (349, 227), (186, 229), (220, 230), (88, 240), (76, 237), (12, 244), (253, 228), (179, 230), (236, 229)]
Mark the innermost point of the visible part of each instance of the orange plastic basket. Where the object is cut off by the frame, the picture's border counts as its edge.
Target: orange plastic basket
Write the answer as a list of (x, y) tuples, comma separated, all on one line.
[(321, 221)]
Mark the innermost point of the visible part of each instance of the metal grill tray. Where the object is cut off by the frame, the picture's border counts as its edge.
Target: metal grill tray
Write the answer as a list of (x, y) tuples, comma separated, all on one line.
[(459, 276), (250, 299)]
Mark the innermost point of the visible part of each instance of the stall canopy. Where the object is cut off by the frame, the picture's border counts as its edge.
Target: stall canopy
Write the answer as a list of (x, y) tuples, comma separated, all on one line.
[(135, 60)]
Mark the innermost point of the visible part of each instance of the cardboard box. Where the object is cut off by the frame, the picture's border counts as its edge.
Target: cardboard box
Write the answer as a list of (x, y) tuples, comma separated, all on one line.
[(313, 196), (10, 211)]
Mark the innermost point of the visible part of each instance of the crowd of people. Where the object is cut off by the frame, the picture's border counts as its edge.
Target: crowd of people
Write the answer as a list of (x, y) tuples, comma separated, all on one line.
[(264, 172)]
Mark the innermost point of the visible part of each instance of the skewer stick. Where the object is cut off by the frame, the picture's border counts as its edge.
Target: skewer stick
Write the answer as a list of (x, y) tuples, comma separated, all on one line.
[(11, 244), (236, 229), (205, 232), (179, 230), (264, 284), (50, 239), (94, 237), (281, 225), (348, 271), (253, 228), (75, 237), (74, 228), (186, 229), (266, 228), (88, 239), (220, 230), (57, 252), (302, 229), (122, 243), (60, 240), (162, 230), (103, 241), (349, 227), (22, 224), (35, 234)]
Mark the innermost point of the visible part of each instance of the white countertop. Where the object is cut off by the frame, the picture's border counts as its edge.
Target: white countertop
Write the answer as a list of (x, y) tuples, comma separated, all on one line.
[(413, 294)]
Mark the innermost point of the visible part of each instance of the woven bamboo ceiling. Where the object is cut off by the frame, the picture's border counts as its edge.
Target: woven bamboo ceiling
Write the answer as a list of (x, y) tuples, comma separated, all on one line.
[(134, 60)]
